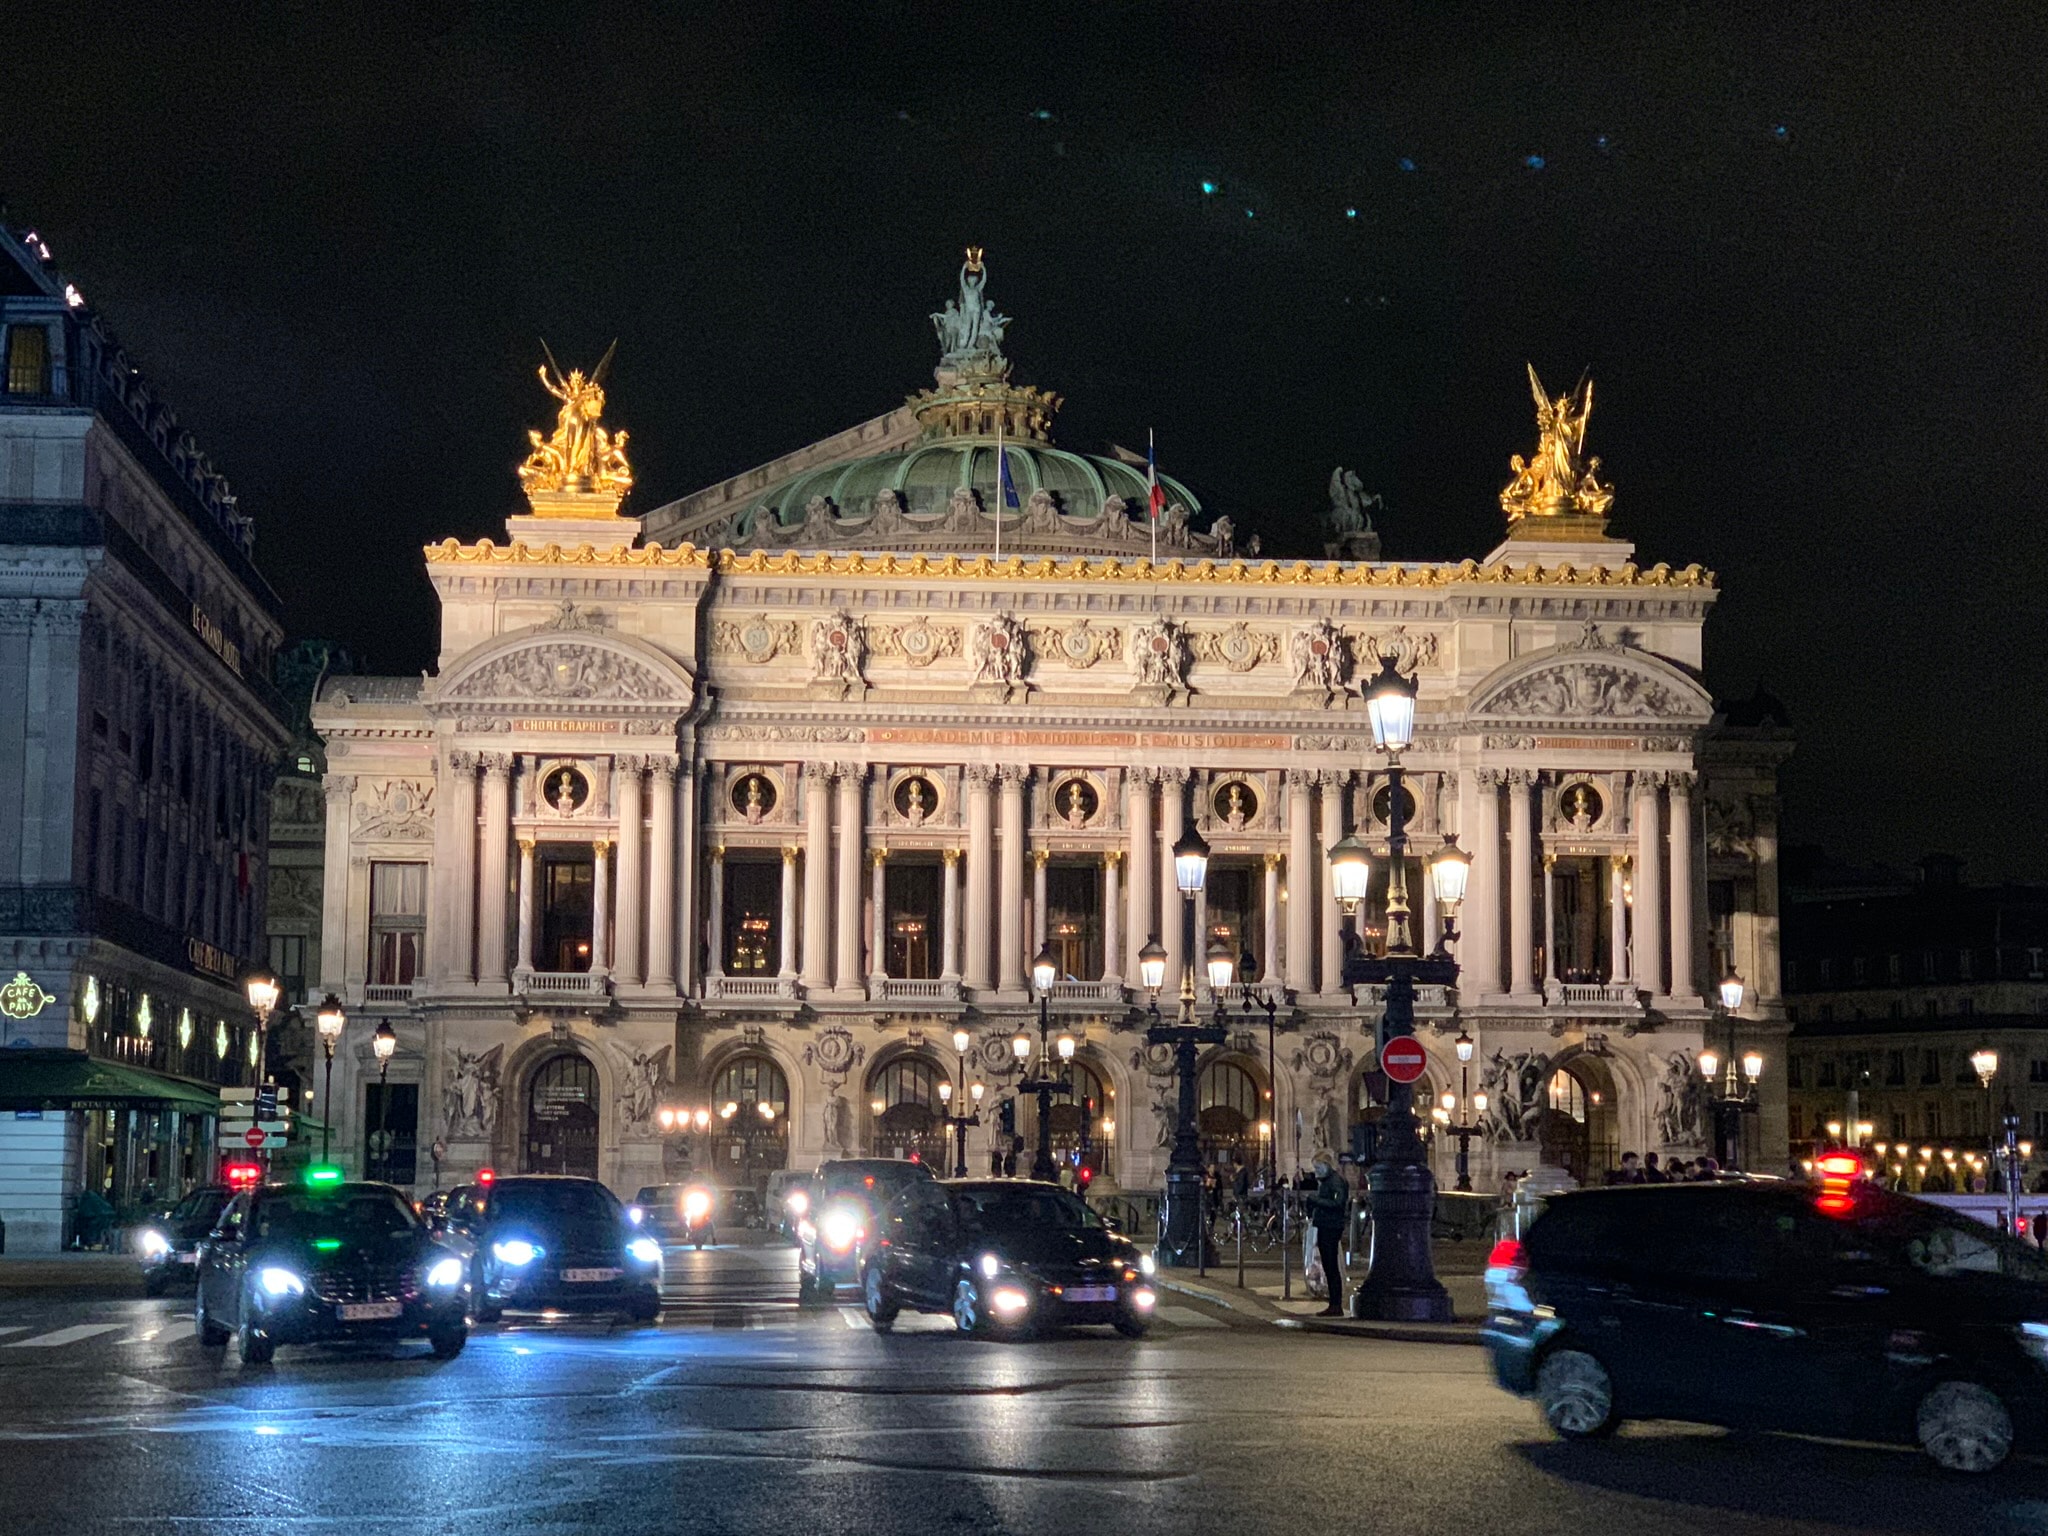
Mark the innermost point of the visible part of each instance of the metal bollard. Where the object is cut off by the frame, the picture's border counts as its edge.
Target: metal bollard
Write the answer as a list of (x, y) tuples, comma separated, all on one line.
[(1202, 1232), (1286, 1246), (1240, 1245)]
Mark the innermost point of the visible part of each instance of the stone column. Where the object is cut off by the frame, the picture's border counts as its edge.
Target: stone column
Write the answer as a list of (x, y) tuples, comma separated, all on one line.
[(1649, 886), (1112, 916), (1768, 963), (1432, 915), (689, 827), (601, 909), (1617, 920), (949, 927), (661, 872), (978, 970), (1479, 945), (1549, 919), (1303, 883), (787, 965), (339, 789), (714, 903), (846, 923), (817, 971), (1330, 915), (631, 906), (526, 901), (1521, 871), (1040, 857), (1010, 959), (1683, 983), (462, 811), (1269, 962), (878, 918), (1138, 918), (1173, 808)]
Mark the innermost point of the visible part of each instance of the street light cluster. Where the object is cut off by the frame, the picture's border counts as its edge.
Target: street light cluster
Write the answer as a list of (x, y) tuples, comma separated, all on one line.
[(678, 1118), (330, 1021)]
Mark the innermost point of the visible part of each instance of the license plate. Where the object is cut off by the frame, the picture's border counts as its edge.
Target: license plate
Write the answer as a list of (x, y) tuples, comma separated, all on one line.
[(1091, 1293), (584, 1276), (369, 1311)]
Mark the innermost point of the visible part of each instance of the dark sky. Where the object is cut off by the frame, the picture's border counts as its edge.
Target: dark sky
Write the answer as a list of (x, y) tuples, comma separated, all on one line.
[(1799, 247)]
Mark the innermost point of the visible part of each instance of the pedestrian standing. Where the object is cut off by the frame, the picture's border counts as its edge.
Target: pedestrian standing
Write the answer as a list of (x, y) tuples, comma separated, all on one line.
[(1329, 1207), (1653, 1172)]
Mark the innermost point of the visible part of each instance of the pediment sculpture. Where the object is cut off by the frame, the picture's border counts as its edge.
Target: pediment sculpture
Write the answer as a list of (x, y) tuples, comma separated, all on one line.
[(1589, 691), (400, 809), (565, 670)]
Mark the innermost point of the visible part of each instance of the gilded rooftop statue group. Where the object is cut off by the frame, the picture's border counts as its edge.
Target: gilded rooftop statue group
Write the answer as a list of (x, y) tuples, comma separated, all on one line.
[(582, 459)]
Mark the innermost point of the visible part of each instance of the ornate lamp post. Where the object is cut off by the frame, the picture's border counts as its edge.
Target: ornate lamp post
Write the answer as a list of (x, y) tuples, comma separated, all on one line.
[(330, 1021), (1045, 1076), (959, 1123), (1469, 1107), (1402, 1284), (1183, 1242), (385, 1043), (263, 991), (1984, 1062), (1737, 1094), (1247, 971)]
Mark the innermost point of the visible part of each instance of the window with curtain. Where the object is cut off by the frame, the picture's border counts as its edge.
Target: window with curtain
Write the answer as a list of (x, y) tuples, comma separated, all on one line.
[(28, 360), (398, 922)]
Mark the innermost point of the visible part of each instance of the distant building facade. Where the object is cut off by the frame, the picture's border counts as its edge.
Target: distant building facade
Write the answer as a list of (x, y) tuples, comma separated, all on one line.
[(138, 735), (746, 806), (1893, 983)]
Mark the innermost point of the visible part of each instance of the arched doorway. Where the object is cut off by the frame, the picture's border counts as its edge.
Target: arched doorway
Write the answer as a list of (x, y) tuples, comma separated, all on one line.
[(561, 1117), (1077, 1116), (903, 1113), (1229, 1106), (1578, 1131), (750, 1128), (1369, 1091)]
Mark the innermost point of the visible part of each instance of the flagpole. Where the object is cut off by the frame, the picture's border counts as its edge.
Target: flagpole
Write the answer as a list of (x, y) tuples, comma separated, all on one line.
[(1151, 508), (999, 487)]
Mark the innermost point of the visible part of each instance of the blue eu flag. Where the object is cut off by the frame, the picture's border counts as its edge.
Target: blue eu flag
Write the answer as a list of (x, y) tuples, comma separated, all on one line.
[(1003, 480)]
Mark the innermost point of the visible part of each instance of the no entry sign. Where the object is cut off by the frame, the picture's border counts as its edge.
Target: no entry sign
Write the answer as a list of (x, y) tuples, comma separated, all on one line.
[(256, 1135), (1403, 1059)]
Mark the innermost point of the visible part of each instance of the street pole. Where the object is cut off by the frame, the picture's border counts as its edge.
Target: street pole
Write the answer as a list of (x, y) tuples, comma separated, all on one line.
[(1040, 1080), (1184, 1240), (327, 1102)]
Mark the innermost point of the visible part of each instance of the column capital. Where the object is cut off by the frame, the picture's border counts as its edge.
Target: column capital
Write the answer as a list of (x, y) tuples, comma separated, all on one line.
[(527, 845), (788, 853), (1274, 858), (1333, 779), (1112, 856), (949, 856), (628, 762), (496, 765), (1012, 777), (1487, 778), (1681, 781), (817, 775), (978, 775), (850, 775), (663, 762), (603, 845), (1646, 783), (1040, 857), (1519, 778), (462, 761), (339, 787), (716, 850), (878, 857), (1549, 862)]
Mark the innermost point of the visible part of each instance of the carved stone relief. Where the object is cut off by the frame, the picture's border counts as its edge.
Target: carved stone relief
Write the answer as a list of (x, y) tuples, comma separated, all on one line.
[(1587, 690), (1080, 644), (564, 671), (1408, 650), (402, 809), (759, 639), (919, 642), (1239, 647)]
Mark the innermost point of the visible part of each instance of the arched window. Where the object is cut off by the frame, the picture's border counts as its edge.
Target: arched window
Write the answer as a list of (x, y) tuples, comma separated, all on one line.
[(903, 1112), (750, 1129), (1077, 1116), (1229, 1105)]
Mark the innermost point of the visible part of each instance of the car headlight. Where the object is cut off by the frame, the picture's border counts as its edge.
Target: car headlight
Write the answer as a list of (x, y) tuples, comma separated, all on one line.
[(518, 1252), (635, 1214), (1143, 1299), (798, 1203), (645, 1249), (279, 1282), (154, 1244), (696, 1205), (990, 1266), (1009, 1301), (840, 1229), (443, 1273), (1147, 1265)]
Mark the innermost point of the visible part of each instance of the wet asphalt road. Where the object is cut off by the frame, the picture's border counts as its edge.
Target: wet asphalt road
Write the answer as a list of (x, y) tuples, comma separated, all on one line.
[(738, 1413)]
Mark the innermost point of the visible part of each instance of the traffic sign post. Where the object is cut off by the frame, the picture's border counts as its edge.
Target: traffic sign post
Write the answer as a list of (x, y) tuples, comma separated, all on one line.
[(1403, 1058), (255, 1136)]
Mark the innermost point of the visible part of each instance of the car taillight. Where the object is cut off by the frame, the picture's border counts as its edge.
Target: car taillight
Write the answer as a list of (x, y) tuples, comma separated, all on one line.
[(1510, 1259), (1839, 1172)]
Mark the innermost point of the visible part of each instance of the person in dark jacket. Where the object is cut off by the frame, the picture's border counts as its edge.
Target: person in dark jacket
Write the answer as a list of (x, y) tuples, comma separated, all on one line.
[(1328, 1209)]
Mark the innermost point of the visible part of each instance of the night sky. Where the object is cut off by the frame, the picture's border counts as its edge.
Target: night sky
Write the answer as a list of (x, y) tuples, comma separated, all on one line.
[(1799, 247)]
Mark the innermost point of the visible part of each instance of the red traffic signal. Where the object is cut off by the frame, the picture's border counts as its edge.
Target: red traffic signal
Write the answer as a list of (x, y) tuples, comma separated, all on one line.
[(1085, 1175)]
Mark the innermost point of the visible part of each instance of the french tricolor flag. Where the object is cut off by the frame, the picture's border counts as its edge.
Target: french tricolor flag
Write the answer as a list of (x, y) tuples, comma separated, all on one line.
[(1154, 494)]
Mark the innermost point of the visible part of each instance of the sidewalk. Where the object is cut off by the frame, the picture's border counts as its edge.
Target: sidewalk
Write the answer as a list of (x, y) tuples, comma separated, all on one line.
[(117, 1274), (1261, 1298)]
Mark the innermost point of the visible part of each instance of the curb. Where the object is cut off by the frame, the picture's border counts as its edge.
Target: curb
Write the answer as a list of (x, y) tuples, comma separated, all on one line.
[(1413, 1333)]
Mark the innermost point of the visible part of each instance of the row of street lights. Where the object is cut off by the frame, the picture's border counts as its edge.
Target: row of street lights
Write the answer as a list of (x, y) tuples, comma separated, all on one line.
[(263, 992)]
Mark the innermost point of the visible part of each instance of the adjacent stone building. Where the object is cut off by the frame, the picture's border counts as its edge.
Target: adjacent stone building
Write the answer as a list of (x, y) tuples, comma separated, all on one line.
[(743, 807), (138, 737)]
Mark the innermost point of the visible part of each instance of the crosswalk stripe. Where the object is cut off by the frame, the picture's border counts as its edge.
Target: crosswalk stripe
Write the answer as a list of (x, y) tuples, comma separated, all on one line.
[(4, 1331), (854, 1317), (1188, 1317), (170, 1333), (71, 1335)]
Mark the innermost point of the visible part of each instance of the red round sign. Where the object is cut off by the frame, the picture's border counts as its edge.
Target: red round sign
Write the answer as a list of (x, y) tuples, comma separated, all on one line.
[(1403, 1059), (256, 1135)]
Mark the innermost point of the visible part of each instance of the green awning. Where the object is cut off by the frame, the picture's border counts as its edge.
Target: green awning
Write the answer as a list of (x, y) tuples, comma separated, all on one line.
[(40, 1079)]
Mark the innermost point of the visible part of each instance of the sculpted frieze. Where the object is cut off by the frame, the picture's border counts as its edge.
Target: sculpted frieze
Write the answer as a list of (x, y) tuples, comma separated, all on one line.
[(564, 671), (1240, 647), (402, 809), (759, 639), (1160, 655), (1319, 657), (1080, 644), (919, 642), (1587, 690), (1406, 649), (782, 733)]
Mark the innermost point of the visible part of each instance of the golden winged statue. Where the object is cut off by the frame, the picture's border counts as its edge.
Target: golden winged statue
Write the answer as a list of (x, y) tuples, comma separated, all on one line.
[(1557, 481), (581, 457)]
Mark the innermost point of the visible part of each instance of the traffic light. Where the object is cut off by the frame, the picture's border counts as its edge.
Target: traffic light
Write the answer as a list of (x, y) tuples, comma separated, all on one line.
[(1087, 1127), (1083, 1176), (1009, 1117), (266, 1102)]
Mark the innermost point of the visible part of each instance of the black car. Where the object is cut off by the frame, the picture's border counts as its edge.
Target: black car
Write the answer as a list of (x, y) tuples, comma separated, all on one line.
[(841, 1205), (170, 1244), (1838, 1310), (676, 1213), (1005, 1255), (554, 1243), (321, 1262)]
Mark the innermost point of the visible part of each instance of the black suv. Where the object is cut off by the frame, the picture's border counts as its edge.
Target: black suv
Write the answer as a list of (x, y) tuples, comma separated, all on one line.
[(547, 1242), (841, 1209), (170, 1244), (1837, 1309)]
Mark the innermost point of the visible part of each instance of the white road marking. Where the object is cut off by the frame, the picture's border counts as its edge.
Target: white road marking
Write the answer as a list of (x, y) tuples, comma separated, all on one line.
[(854, 1317), (1188, 1317), (4, 1331), (170, 1333), (62, 1336)]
